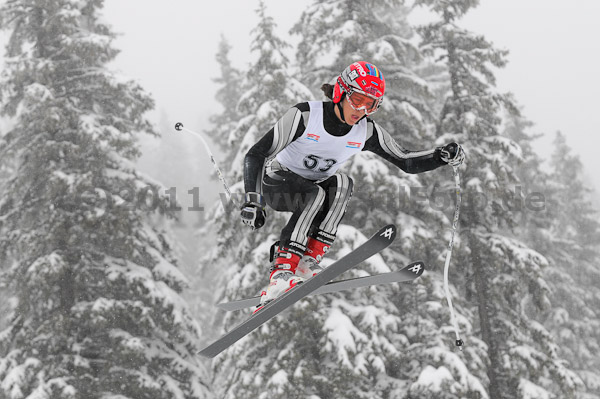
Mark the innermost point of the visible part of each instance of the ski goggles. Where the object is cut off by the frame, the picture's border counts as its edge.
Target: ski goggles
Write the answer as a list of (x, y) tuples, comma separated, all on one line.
[(361, 101)]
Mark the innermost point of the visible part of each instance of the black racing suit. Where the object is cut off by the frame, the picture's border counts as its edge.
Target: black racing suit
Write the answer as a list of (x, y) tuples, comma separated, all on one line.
[(317, 206)]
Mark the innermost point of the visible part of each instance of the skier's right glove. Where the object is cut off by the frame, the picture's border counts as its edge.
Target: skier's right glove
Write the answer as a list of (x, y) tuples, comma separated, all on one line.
[(253, 210)]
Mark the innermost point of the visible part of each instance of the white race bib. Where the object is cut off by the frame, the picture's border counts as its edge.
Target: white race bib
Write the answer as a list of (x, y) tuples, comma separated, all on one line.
[(317, 155)]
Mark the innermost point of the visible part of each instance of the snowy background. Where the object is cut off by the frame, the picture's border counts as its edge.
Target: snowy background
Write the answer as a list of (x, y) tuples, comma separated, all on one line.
[(116, 304)]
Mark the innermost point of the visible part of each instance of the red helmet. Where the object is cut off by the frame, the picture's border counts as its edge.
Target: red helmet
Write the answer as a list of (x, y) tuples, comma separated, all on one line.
[(364, 79)]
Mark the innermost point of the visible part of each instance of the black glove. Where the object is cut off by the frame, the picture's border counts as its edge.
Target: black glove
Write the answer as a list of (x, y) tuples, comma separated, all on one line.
[(253, 210), (452, 154)]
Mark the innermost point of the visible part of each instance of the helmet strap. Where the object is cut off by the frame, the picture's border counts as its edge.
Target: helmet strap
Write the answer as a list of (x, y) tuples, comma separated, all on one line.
[(340, 108)]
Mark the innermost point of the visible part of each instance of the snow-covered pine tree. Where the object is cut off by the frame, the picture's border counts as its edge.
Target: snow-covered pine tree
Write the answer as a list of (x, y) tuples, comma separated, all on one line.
[(227, 95), (571, 244), (266, 91), (5, 297), (98, 312), (221, 126), (179, 162), (403, 327), (534, 215), (504, 275)]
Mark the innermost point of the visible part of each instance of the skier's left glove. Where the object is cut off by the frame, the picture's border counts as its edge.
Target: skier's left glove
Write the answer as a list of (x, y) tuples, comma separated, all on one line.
[(452, 154), (253, 210)]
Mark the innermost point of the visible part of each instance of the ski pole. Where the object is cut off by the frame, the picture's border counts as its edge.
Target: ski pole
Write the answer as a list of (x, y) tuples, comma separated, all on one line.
[(179, 127), (459, 342)]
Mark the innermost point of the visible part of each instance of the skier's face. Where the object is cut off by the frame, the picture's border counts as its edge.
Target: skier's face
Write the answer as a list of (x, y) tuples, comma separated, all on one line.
[(351, 115), (360, 101)]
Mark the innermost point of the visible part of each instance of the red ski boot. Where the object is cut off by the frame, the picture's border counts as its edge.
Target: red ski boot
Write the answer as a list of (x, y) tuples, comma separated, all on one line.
[(282, 278), (309, 264)]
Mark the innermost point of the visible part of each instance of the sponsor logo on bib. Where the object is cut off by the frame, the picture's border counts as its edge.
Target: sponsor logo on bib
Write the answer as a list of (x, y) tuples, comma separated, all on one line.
[(313, 137)]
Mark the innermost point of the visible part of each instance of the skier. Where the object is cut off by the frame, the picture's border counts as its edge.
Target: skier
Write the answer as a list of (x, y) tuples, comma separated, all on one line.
[(294, 168)]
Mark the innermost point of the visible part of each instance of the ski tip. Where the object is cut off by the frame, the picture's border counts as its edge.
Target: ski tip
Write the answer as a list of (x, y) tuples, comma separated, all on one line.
[(388, 232), (416, 267)]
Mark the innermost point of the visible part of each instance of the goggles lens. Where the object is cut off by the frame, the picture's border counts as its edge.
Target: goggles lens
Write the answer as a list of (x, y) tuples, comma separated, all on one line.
[(360, 101)]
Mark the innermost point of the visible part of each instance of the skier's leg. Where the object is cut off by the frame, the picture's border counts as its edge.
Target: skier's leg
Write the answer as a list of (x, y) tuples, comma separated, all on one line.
[(287, 191), (338, 191)]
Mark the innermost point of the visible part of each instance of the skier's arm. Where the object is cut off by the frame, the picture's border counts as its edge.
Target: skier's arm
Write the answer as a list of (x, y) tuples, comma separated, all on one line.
[(287, 129), (380, 142)]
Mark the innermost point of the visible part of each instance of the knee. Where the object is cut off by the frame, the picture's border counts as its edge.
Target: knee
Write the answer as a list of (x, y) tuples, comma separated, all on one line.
[(350, 185), (316, 193), (344, 184), (311, 196)]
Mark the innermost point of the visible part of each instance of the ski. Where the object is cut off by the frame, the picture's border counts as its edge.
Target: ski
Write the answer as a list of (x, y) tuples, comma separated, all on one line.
[(407, 273), (379, 241)]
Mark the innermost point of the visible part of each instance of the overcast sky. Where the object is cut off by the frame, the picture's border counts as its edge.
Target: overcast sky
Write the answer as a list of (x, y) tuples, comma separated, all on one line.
[(553, 70)]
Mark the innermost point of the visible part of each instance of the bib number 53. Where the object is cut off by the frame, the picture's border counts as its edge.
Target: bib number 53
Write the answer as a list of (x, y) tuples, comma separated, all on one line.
[(316, 162)]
